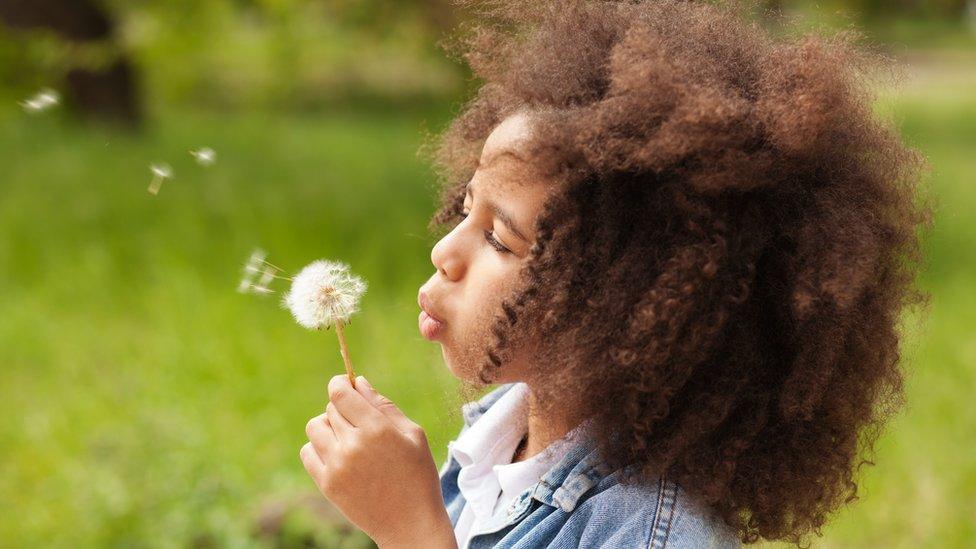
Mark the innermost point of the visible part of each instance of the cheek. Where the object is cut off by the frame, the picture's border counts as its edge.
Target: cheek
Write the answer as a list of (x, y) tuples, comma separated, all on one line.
[(465, 350)]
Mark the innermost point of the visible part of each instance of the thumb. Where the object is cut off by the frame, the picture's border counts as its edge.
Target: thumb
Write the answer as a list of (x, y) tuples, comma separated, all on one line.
[(384, 405)]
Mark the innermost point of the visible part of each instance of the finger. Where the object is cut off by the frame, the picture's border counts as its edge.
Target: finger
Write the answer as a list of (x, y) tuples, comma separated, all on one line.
[(340, 425), (351, 403), (313, 465), (384, 405), (321, 435)]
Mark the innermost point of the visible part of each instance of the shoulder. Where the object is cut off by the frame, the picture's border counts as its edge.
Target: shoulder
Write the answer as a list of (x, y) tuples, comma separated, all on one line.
[(663, 515)]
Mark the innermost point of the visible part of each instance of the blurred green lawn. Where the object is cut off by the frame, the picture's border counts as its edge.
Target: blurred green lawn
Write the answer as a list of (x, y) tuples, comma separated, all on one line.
[(146, 403)]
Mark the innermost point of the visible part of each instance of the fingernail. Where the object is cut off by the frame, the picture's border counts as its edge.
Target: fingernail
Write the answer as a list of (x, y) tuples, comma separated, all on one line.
[(361, 379)]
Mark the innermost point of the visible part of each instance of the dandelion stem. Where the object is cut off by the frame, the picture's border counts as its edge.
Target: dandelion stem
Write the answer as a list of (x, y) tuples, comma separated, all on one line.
[(345, 353)]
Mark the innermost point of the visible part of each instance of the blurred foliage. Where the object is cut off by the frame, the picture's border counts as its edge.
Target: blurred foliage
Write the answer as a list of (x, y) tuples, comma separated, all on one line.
[(931, 9), (257, 54), (892, 27), (303, 54)]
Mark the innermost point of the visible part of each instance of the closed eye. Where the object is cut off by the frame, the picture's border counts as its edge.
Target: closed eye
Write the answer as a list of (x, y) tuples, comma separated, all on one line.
[(490, 238)]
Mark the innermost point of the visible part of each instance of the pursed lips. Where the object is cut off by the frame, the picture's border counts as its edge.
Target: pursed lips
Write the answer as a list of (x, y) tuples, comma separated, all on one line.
[(423, 300)]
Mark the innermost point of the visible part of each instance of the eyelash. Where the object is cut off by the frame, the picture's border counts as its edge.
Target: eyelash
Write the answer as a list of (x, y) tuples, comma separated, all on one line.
[(491, 239)]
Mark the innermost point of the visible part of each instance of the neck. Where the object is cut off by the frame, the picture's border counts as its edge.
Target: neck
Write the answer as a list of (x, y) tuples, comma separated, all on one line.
[(543, 430)]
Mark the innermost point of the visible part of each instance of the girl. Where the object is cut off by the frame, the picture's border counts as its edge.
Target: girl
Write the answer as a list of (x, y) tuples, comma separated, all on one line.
[(680, 249)]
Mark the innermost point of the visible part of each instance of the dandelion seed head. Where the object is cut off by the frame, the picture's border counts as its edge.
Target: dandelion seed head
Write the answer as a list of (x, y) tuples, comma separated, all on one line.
[(323, 293), (205, 156)]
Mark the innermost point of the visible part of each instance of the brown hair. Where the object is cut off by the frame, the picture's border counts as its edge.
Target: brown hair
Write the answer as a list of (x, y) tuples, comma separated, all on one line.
[(719, 279)]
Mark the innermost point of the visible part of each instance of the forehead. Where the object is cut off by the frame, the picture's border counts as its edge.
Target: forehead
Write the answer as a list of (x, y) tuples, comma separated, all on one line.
[(509, 135), (504, 163), (505, 178), (519, 145)]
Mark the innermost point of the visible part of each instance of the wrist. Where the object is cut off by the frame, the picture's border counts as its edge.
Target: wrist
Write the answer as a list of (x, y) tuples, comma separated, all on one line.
[(437, 533)]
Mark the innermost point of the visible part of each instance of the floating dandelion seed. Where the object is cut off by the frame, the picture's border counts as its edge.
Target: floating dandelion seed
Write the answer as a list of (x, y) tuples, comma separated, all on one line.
[(205, 156), (324, 294), (41, 101), (160, 173), (244, 286), (252, 267), (257, 266), (266, 277), (255, 261)]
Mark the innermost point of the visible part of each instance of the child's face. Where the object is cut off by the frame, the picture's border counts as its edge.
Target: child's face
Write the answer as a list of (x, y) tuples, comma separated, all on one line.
[(478, 261)]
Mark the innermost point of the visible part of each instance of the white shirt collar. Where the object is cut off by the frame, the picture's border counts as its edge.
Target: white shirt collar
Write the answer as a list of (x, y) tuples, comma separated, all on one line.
[(515, 477), (484, 452), (502, 425), (488, 442)]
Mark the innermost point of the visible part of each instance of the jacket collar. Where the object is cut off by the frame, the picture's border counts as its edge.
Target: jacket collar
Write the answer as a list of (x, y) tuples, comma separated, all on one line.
[(579, 470), (574, 475)]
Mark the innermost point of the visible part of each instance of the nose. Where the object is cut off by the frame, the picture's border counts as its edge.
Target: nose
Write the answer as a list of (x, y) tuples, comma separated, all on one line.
[(447, 255)]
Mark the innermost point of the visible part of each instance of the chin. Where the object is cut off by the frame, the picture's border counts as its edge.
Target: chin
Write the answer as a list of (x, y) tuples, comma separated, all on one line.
[(461, 372), (465, 357)]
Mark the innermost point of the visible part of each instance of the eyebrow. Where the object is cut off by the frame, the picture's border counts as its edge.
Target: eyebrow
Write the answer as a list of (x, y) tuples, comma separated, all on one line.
[(499, 154), (500, 214)]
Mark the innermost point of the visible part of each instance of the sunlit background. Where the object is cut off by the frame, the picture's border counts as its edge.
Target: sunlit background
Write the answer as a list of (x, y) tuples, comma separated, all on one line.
[(145, 402)]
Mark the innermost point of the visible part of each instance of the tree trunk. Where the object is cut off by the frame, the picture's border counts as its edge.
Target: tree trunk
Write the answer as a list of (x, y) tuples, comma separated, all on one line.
[(108, 93)]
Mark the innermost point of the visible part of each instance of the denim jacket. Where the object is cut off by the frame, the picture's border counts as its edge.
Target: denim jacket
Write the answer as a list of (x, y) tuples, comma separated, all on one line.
[(579, 503)]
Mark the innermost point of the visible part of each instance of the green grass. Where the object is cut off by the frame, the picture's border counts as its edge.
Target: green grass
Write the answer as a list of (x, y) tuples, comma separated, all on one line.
[(147, 403), (147, 400)]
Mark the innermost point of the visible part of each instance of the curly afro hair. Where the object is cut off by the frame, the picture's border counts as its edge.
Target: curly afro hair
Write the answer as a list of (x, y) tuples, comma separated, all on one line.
[(719, 279)]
